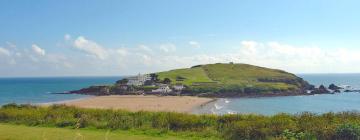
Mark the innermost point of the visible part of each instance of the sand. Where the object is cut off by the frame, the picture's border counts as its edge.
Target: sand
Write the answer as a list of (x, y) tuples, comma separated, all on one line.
[(183, 104)]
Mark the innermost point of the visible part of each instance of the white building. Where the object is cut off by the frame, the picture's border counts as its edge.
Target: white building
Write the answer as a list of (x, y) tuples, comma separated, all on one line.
[(138, 80), (163, 89), (178, 87)]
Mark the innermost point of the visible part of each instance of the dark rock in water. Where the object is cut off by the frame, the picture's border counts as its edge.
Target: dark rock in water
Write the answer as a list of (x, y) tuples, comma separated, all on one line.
[(65, 92), (122, 81), (320, 90), (334, 87), (311, 87), (337, 91), (355, 90), (93, 90)]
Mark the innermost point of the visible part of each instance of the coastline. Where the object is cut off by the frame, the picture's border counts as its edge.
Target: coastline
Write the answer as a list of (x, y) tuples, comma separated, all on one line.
[(65, 101), (181, 104)]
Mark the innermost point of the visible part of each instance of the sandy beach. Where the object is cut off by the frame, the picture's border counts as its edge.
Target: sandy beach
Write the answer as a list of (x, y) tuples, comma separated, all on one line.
[(184, 104)]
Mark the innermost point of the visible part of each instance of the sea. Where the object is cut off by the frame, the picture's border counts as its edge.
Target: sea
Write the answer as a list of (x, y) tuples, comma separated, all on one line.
[(40, 90), (320, 103)]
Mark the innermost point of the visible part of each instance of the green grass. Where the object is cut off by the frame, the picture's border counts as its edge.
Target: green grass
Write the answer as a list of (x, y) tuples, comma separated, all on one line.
[(241, 75), (95, 124), (191, 75), (20, 132)]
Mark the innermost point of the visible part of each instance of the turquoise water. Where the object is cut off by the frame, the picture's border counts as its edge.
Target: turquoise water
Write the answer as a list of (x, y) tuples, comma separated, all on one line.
[(37, 90), (295, 104)]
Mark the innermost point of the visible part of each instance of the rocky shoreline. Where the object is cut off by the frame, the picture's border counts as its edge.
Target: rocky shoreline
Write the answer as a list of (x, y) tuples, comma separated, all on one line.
[(104, 90)]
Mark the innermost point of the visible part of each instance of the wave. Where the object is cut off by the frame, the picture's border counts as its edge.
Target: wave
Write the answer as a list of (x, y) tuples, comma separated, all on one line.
[(227, 101), (231, 112), (218, 107)]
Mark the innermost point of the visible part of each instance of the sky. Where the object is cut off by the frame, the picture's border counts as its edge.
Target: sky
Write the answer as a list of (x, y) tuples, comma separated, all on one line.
[(127, 37)]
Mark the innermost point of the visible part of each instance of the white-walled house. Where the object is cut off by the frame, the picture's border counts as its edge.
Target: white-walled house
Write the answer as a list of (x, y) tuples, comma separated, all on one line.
[(178, 87), (162, 89)]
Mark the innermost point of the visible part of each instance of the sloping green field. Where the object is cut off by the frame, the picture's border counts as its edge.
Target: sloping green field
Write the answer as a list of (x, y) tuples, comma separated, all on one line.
[(191, 75), (231, 74)]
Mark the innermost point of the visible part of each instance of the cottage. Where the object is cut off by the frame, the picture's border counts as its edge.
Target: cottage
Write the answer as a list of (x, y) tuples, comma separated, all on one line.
[(178, 87), (163, 88)]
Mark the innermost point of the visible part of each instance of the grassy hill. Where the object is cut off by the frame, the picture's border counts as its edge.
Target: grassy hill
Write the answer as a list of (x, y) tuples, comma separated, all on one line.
[(235, 78)]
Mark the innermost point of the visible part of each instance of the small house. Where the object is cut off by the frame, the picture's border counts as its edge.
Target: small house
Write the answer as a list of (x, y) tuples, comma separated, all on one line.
[(178, 87), (163, 88)]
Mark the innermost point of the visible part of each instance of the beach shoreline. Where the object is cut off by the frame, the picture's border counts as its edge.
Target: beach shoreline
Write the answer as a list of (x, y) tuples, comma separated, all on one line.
[(181, 104)]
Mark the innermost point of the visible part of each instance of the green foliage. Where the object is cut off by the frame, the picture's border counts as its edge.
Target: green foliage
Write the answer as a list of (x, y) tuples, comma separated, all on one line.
[(281, 126), (289, 135), (122, 81), (20, 132), (167, 81), (348, 132), (148, 88)]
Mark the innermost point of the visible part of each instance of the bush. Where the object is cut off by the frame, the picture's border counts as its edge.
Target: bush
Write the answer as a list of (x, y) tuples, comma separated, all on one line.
[(65, 124), (289, 135), (347, 132), (245, 130)]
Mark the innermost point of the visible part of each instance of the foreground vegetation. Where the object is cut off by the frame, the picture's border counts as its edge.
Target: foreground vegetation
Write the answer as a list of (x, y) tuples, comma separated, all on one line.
[(327, 126), (20, 132), (235, 80)]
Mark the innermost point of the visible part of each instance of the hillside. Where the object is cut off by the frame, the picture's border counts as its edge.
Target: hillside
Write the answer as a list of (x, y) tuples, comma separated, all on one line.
[(236, 79)]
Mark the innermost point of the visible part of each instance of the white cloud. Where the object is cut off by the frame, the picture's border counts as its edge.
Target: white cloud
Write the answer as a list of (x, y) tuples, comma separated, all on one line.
[(194, 44), (90, 47), (122, 52), (301, 59), (144, 59), (167, 47), (145, 48), (4, 51), (37, 50), (67, 37)]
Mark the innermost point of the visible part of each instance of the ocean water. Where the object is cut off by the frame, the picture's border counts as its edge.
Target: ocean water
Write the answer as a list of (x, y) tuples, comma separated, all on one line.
[(294, 104), (38, 90)]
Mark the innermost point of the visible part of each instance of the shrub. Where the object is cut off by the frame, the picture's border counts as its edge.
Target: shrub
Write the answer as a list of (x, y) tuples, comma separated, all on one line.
[(347, 132), (245, 130), (289, 135)]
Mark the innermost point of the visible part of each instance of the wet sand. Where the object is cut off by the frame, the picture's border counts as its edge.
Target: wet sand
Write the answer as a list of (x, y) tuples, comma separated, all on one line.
[(183, 104)]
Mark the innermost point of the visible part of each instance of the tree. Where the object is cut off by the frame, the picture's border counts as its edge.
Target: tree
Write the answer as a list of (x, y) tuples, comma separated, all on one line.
[(166, 81), (154, 77), (122, 81)]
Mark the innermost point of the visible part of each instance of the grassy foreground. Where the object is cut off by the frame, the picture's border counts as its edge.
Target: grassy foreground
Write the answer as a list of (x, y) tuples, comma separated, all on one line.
[(302, 126), (19, 132)]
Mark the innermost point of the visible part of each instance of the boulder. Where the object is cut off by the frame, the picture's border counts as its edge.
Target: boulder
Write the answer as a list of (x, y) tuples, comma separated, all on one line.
[(334, 87), (320, 90)]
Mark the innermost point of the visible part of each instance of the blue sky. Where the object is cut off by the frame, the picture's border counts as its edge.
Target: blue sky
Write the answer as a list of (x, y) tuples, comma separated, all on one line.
[(113, 37)]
